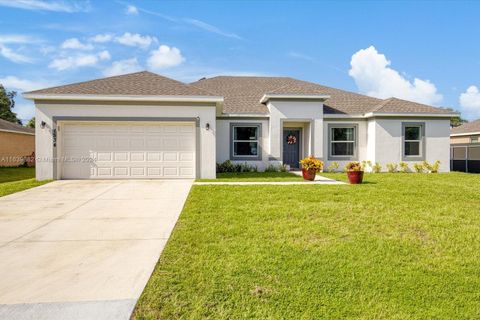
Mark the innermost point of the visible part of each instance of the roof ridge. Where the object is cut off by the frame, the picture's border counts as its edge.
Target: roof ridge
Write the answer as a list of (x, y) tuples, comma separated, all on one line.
[(383, 103)]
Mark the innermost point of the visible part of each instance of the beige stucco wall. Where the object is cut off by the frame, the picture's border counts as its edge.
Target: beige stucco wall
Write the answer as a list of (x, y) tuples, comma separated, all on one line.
[(14, 146), (462, 139)]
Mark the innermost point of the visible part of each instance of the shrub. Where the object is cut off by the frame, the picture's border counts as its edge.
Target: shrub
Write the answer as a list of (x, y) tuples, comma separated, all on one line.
[(228, 166), (333, 166), (403, 167), (377, 167), (353, 166), (436, 166), (392, 167), (311, 163), (432, 168), (275, 168), (366, 165), (418, 167)]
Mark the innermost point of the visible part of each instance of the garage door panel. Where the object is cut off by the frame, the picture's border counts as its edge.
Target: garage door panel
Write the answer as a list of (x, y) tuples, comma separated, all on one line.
[(143, 150), (154, 156)]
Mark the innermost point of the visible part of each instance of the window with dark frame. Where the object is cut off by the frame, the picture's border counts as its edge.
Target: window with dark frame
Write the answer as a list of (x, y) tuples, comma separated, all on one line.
[(342, 142), (245, 141), (412, 140)]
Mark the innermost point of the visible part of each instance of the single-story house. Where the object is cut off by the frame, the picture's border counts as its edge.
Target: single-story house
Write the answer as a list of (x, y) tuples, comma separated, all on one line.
[(468, 132), (465, 147), (143, 125), (16, 143)]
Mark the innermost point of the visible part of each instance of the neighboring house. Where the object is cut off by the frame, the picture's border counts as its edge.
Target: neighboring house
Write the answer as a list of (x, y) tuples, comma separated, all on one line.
[(465, 147), (16, 143), (143, 125)]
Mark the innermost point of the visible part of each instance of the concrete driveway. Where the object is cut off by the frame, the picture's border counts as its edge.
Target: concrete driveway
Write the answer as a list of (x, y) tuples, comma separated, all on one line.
[(83, 249)]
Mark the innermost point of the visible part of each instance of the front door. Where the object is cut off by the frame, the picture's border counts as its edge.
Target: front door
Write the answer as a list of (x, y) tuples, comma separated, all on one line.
[(291, 147)]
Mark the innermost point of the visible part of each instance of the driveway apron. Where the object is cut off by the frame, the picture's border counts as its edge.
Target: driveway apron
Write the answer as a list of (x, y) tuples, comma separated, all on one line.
[(83, 249)]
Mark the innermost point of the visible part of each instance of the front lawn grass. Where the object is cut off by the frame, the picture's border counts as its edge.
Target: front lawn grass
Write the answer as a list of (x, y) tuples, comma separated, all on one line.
[(8, 174), (17, 179), (253, 177), (403, 246)]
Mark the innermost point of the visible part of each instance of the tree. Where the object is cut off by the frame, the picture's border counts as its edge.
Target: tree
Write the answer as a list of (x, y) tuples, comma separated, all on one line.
[(31, 123), (7, 103), (457, 121)]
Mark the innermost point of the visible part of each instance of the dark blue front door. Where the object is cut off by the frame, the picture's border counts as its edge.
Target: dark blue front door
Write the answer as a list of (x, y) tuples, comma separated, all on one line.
[(291, 147)]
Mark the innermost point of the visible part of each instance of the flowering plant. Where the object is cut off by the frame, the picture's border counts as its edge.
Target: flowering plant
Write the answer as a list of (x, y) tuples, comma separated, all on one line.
[(311, 163), (354, 166)]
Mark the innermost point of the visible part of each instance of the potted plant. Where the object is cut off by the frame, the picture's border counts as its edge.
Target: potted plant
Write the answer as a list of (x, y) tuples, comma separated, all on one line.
[(310, 167), (354, 172)]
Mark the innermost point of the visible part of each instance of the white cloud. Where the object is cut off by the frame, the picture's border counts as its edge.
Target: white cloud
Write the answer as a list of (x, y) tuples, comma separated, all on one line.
[(74, 43), (13, 56), (52, 5), (135, 40), (79, 60), (131, 10), (14, 83), (164, 57), (470, 103), (122, 67), (374, 77), (102, 38), (301, 56), (104, 55), (83, 60), (17, 39), (208, 27)]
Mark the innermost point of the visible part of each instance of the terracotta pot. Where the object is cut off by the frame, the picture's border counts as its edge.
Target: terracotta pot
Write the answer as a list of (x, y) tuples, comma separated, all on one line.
[(309, 174), (355, 177)]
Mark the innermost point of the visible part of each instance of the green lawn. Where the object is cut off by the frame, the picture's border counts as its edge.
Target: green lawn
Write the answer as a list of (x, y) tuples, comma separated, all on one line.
[(254, 176), (402, 246), (17, 179)]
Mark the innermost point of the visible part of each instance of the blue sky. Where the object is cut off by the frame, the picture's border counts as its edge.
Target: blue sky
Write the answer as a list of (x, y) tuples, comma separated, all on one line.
[(422, 51)]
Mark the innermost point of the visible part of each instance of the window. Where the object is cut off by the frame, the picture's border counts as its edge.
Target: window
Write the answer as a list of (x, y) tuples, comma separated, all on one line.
[(474, 140), (413, 141), (245, 142), (342, 142)]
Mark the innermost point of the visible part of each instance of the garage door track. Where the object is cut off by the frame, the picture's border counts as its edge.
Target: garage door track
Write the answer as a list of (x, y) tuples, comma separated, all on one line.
[(83, 249)]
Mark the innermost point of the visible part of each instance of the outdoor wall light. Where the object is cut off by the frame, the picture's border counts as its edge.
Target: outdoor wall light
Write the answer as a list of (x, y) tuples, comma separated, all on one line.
[(43, 124), (207, 126)]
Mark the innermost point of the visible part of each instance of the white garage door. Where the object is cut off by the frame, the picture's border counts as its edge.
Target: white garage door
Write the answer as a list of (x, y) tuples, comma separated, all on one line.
[(130, 150)]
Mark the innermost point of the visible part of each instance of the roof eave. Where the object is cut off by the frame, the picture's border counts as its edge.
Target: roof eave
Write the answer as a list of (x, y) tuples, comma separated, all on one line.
[(268, 96), (464, 134), (412, 114), (19, 132), (95, 97)]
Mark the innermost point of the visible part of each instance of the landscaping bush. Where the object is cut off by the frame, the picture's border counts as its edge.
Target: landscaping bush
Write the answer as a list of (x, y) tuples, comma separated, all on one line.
[(418, 167), (392, 167), (403, 167), (377, 168), (333, 167), (229, 166)]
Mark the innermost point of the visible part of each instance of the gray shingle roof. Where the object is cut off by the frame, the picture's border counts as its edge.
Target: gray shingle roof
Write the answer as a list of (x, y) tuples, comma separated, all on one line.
[(468, 127), (140, 83), (241, 94), (398, 105), (9, 126)]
